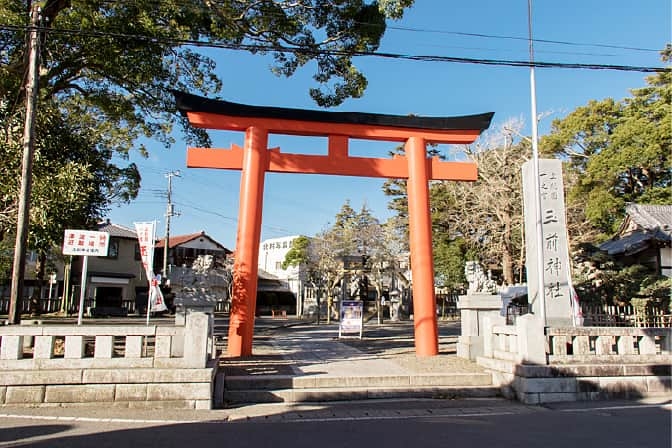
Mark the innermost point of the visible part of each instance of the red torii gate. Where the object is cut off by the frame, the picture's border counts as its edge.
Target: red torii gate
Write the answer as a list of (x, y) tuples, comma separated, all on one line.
[(255, 159)]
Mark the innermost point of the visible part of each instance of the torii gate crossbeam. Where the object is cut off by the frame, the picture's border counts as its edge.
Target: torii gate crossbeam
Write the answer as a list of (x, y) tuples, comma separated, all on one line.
[(255, 159)]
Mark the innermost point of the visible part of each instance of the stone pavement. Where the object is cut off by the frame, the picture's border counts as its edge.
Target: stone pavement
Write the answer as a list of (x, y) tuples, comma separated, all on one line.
[(296, 347)]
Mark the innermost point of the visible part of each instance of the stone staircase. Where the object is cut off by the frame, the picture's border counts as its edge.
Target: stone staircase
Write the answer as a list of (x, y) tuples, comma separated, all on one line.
[(242, 389), (309, 364)]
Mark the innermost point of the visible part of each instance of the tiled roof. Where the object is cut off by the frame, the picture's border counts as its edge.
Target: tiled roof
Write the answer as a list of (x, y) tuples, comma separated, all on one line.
[(652, 223), (116, 230), (629, 244), (650, 216), (177, 240)]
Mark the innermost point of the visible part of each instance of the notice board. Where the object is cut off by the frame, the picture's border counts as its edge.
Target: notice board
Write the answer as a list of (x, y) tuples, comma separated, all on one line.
[(352, 313)]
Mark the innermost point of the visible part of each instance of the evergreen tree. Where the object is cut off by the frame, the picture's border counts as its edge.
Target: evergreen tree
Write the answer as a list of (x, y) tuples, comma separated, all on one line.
[(618, 152)]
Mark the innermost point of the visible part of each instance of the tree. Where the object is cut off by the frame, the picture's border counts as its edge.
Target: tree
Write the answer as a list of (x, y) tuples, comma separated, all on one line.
[(298, 254), (618, 152), (449, 258), (358, 237), (113, 65), (72, 184), (107, 74), (487, 215)]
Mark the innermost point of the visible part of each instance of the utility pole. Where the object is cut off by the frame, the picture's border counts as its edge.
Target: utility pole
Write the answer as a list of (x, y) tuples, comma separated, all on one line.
[(22, 219), (169, 213), (541, 285)]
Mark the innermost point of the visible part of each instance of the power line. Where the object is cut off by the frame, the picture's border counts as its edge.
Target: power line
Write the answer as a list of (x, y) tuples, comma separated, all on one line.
[(210, 212), (335, 52), (547, 41)]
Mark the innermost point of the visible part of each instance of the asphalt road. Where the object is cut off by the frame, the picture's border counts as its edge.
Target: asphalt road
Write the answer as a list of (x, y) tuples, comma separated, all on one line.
[(389, 424)]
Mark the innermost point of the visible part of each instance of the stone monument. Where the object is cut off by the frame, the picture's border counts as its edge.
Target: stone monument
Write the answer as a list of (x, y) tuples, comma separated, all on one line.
[(557, 306)]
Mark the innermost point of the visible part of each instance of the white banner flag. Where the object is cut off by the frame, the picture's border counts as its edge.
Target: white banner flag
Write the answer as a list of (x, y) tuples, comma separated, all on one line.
[(146, 236), (156, 301), (146, 231)]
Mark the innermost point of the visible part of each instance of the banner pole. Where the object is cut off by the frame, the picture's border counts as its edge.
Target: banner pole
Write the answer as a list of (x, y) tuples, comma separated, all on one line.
[(149, 300), (150, 272)]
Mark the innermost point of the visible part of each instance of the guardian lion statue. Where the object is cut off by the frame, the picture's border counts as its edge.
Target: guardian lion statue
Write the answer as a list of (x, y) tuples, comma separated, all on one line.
[(479, 283)]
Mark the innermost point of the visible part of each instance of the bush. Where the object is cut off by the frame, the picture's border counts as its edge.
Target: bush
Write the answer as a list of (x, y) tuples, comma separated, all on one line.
[(600, 280)]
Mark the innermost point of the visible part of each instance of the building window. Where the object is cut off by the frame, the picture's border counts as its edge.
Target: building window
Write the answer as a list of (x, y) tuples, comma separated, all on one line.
[(113, 248), (137, 256), (278, 265)]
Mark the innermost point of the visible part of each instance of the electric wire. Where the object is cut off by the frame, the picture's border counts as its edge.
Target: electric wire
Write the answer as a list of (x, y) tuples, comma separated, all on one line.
[(335, 52)]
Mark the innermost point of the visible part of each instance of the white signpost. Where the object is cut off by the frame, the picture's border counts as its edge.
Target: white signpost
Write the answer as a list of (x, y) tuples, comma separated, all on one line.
[(87, 243)]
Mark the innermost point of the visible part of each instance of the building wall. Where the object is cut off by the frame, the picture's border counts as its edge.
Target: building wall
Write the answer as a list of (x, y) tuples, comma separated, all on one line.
[(123, 267), (272, 253), (666, 261), (123, 258)]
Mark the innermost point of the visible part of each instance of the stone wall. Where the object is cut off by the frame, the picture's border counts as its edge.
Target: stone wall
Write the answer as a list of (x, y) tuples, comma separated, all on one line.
[(537, 365), (120, 365)]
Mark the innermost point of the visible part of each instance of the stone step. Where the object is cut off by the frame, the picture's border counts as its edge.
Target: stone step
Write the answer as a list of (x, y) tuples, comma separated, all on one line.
[(269, 382), (247, 389), (326, 394)]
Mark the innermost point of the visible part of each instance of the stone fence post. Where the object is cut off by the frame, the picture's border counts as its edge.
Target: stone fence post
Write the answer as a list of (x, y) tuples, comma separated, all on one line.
[(531, 340), (197, 338)]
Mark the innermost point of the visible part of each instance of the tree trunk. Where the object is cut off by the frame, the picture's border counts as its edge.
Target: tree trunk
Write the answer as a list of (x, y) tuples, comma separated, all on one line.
[(35, 298), (507, 252)]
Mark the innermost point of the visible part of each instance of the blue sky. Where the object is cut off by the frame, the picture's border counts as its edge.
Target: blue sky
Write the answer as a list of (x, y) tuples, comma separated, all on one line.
[(306, 204)]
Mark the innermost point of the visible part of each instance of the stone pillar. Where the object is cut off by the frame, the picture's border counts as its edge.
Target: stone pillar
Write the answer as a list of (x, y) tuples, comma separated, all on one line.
[(192, 305), (197, 339), (12, 347), (473, 310), (531, 339)]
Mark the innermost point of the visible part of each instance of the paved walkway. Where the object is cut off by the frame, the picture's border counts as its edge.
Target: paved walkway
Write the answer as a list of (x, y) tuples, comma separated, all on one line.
[(294, 347)]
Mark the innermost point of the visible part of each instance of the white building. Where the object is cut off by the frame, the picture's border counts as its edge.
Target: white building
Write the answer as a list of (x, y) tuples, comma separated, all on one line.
[(272, 254)]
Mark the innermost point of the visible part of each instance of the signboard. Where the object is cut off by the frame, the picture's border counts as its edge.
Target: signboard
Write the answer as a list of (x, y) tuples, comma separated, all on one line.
[(352, 313), (86, 242)]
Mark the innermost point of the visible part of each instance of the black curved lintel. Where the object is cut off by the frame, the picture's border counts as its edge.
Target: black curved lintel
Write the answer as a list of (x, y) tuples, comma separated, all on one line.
[(187, 102)]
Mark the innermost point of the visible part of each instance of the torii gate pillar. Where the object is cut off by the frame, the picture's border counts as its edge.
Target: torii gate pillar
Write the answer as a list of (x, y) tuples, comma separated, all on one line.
[(422, 261), (255, 159), (241, 323)]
